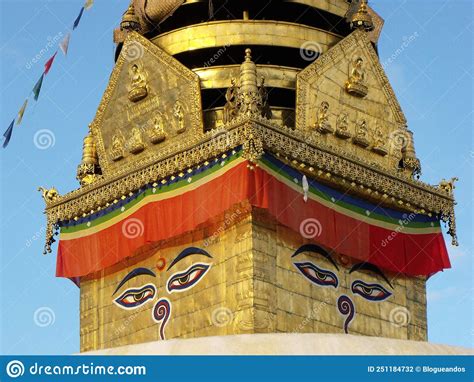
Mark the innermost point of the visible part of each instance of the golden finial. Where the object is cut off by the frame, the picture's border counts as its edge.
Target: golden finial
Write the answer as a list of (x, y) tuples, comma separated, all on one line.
[(362, 19), (248, 74), (130, 21), (409, 158), (248, 54), (89, 168)]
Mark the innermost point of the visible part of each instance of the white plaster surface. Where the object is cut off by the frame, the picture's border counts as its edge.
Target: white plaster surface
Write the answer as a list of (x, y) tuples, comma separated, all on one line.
[(285, 344)]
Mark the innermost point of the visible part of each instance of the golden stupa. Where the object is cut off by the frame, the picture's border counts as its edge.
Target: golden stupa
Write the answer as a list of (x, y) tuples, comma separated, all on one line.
[(249, 170)]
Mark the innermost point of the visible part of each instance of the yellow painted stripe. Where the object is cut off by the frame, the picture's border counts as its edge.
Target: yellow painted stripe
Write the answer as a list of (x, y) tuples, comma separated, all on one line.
[(364, 218), (151, 199)]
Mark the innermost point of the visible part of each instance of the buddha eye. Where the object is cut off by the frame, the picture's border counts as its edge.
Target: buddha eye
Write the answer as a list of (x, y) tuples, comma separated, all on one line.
[(371, 292), (187, 279), (133, 298), (317, 275)]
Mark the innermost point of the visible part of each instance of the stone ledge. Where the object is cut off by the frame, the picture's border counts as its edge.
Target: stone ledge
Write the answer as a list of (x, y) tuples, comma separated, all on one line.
[(285, 344)]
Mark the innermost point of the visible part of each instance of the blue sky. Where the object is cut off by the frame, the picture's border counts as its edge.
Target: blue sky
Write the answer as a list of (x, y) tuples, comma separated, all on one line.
[(432, 77)]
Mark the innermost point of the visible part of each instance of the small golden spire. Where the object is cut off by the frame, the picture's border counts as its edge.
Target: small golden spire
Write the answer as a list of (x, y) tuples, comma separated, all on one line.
[(89, 168), (130, 21), (362, 19), (409, 159), (248, 74)]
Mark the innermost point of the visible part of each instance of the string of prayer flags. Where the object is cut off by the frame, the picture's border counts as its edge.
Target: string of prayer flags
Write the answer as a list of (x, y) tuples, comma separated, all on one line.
[(37, 88), (88, 5), (49, 63), (21, 112), (64, 44), (78, 19), (8, 134)]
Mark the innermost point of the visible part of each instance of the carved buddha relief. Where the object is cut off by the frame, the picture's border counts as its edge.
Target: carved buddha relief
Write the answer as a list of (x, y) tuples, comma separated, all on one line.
[(380, 141), (178, 114), (362, 134), (138, 82), (156, 132), (118, 143), (342, 126), (357, 82), (322, 122), (135, 142)]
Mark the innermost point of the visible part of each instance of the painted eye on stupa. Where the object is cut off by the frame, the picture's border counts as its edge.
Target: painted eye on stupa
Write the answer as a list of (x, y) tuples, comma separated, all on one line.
[(318, 276), (187, 279), (371, 292), (133, 298)]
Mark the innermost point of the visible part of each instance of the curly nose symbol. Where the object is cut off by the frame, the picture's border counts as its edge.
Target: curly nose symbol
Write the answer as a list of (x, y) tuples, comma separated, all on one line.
[(346, 308), (161, 314)]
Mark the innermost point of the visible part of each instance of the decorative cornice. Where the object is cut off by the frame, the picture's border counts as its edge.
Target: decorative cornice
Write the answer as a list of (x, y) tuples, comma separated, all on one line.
[(300, 148)]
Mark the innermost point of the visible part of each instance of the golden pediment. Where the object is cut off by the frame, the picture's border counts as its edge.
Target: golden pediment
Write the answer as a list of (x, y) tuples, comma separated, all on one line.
[(150, 103), (346, 100)]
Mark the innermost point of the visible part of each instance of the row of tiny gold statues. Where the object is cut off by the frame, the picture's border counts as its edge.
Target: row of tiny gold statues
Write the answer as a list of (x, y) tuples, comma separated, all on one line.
[(361, 136), (155, 133)]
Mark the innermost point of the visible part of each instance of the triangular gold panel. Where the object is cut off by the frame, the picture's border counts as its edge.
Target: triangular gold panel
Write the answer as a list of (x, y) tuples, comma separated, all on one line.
[(152, 101), (346, 100)]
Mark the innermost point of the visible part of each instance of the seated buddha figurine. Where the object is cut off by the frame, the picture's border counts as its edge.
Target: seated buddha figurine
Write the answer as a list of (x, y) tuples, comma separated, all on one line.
[(138, 83), (117, 146), (356, 84), (156, 133), (362, 134), (342, 126), (135, 143), (380, 142), (178, 114), (322, 123)]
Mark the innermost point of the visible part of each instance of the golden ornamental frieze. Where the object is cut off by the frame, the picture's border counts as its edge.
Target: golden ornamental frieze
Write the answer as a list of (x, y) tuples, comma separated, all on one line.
[(256, 134)]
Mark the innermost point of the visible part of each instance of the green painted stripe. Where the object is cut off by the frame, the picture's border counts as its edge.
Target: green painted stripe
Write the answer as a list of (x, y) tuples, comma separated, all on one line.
[(373, 215), (164, 189)]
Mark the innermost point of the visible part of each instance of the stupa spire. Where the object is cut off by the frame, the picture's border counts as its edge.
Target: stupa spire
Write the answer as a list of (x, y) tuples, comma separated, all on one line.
[(362, 19)]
